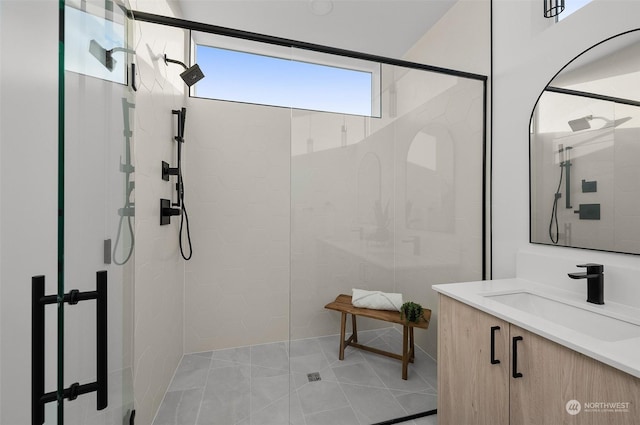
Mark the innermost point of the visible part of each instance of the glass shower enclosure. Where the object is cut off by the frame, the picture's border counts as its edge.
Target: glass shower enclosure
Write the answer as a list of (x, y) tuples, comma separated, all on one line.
[(91, 379), (295, 206), (289, 207)]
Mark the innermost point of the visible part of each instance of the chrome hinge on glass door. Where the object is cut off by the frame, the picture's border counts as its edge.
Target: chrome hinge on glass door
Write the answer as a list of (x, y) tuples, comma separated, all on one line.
[(38, 302)]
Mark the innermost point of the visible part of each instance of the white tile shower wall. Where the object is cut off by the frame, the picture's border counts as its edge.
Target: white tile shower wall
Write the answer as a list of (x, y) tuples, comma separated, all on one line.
[(337, 243), (28, 130), (467, 49), (237, 195), (451, 242), (159, 275)]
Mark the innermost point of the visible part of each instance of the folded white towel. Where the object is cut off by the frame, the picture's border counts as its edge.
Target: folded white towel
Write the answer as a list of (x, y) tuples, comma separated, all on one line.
[(376, 300)]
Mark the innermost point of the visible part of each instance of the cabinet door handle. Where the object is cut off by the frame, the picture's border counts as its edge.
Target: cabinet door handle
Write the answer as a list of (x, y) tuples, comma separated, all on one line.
[(493, 344), (515, 373)]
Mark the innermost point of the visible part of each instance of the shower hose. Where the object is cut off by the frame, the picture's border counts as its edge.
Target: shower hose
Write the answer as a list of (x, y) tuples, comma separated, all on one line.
[(184, 221), (554, 209)]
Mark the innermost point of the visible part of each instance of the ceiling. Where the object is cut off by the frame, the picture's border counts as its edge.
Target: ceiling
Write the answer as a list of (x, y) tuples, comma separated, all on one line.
[(380, 27)]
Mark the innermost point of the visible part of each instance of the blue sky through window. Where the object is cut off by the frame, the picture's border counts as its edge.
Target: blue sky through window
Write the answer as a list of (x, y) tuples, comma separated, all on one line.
[(571, 6), (252, 78)]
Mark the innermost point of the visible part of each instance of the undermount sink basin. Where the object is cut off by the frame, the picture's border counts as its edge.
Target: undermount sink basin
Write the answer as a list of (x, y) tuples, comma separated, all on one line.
[(581, 320)]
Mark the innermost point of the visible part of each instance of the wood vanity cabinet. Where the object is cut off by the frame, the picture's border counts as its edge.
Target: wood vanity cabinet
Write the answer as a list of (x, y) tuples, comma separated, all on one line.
[(473, 390)]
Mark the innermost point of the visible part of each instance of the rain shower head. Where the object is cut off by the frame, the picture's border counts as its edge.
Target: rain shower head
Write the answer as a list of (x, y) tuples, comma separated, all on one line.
[(583, 123), (191, 75)]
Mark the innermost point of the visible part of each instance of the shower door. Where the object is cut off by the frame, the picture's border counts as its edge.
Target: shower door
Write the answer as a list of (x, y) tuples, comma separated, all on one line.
[(96, 223)]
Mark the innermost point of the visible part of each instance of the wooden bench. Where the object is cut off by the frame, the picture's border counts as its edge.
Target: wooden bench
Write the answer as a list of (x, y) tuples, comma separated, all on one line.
[(344, 306)]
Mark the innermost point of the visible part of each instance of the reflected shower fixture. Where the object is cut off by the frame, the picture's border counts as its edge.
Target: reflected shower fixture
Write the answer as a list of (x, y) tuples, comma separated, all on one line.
[(104, 56), (583, 123), (191, 75), (553, 8)]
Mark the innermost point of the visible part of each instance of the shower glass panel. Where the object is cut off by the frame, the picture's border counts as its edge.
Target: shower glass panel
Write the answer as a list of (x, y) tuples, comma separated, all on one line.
[(291, 207), (97, 205), (393, 204)]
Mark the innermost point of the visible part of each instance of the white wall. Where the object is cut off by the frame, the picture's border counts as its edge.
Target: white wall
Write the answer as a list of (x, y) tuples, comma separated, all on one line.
[(237, 195), (460, 39), (28, 176), (159, 275), (528, 51)]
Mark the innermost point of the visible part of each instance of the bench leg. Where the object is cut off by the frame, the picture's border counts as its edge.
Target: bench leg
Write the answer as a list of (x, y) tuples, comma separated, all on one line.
[(354, 327), (412, 350), (343, 325), (405, 351)]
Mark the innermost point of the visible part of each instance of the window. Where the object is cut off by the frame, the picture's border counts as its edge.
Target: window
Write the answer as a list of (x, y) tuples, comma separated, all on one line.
[(571, 6), (311, 81)]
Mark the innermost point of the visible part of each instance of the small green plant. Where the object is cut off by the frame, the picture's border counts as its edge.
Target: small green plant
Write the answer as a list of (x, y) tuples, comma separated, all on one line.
[(411, 312)]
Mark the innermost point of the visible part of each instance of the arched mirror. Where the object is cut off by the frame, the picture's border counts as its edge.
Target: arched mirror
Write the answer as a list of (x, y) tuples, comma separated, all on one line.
[(429, 180), (585, 151)]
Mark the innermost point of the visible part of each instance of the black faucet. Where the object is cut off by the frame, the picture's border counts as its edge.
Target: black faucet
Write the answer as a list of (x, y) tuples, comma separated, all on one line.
[(595, 282)]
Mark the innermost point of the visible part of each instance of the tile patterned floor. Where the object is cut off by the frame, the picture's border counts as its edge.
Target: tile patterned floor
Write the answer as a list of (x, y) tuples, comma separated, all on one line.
[(268, 385)]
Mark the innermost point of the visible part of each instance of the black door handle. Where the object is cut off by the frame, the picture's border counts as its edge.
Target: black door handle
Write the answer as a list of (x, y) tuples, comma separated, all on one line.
[(493, 344), (515, 373), (38, 302)]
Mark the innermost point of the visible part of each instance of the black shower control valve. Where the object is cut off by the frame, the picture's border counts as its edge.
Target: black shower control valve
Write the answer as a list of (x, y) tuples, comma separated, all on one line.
[(166, 211), (589, 186), (588, 211), (168, 171)]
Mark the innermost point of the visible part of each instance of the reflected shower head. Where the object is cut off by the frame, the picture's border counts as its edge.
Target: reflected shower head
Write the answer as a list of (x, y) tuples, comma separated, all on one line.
[(583, 123), (580, 123), (103, 55), (191, 75)]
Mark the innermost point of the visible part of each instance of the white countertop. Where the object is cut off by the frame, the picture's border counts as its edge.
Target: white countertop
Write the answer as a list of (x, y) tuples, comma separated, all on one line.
[(623, 354)]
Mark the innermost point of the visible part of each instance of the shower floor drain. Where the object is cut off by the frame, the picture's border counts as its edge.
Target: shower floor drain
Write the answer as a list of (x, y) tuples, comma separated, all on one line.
[(312, 377)]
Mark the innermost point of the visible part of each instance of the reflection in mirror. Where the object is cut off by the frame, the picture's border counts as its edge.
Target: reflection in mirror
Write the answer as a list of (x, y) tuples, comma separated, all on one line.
[(585, 151), (429, 188)]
